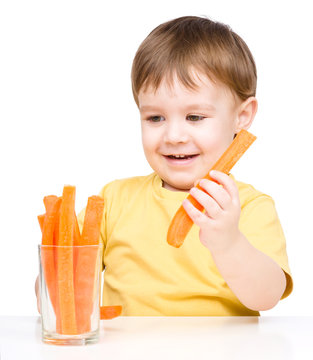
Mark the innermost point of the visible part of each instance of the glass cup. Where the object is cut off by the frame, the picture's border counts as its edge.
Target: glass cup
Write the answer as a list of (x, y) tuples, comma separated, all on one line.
[(70, 284)]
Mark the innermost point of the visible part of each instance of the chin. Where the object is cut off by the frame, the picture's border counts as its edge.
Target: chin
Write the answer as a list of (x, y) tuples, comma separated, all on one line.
[(179, 186)]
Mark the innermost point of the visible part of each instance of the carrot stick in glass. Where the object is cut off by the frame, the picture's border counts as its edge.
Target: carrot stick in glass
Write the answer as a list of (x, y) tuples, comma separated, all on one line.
[(41, 219), (86, 263), (65, 262), (48, 252), (92, 221), (52, 204)]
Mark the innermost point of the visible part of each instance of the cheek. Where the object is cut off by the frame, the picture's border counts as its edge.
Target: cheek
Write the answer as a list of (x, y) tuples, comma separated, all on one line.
[(215, 135), (148, 139), (212, 146), (208, 140)]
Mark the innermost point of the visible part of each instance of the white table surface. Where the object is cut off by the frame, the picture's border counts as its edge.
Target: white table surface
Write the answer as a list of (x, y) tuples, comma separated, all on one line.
[(172, 338)]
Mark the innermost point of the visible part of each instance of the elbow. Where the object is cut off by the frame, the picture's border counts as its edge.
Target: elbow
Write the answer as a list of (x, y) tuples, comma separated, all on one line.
[(261, 304), (269, 299), (264, 306)]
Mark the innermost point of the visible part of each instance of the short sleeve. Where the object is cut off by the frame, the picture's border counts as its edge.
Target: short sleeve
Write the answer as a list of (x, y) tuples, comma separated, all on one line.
[(260, 224)]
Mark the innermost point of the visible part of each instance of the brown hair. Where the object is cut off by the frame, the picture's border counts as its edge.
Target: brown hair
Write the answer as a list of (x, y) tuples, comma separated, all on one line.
[(191, 42)]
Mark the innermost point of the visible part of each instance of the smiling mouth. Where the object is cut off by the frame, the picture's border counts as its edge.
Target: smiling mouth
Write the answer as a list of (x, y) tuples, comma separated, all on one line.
[(181, 157)]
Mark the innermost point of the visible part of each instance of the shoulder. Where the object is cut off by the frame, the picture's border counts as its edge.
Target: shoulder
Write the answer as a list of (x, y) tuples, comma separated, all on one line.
[(249, 195), (258, 212), (255, 204)]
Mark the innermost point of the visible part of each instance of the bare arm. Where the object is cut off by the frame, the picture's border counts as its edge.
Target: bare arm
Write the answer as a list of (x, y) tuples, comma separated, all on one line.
[(254, 277)]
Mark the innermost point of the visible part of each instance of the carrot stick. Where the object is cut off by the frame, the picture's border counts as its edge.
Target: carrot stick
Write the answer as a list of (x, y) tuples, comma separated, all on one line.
[(87, 266), (65, 262), (41, 219), (56, 242), (92, 221), (49, 200), (50, 220), (77, 235), (110, 312), (76, 242), (47, 239), (181, 222), (48, 252)]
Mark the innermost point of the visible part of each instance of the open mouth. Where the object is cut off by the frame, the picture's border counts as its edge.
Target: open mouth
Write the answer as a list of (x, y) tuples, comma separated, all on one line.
[(181, 157)]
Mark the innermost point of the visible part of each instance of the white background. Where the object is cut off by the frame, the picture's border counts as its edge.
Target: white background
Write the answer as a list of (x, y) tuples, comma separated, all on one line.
[(68, 117)]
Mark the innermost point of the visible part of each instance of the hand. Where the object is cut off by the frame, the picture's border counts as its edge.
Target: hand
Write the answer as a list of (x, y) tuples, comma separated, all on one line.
[(219, 222)]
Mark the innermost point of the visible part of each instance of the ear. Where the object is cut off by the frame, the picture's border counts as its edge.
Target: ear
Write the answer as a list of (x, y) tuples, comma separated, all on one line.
[(246, 113)]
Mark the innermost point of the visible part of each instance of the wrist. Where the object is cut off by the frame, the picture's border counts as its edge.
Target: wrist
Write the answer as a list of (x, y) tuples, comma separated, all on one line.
[(229, 247)]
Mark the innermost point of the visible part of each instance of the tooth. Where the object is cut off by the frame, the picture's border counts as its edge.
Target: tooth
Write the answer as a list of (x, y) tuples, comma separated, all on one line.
[(179, 156)]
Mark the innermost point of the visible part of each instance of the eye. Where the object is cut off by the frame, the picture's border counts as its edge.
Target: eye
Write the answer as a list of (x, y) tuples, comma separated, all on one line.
[(195, 117), (155, 118)]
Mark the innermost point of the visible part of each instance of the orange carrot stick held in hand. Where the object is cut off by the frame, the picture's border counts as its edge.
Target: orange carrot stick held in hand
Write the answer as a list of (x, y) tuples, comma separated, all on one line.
[(181, 222)]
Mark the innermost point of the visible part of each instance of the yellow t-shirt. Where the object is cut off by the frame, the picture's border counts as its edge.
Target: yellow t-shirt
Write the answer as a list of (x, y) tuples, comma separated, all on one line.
[(149, 277)]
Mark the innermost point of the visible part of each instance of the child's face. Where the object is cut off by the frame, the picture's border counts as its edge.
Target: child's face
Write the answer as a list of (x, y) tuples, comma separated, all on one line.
[(184, 132)]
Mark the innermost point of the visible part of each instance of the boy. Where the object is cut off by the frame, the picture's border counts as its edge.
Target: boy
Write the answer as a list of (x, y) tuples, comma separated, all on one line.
[(194, 82)]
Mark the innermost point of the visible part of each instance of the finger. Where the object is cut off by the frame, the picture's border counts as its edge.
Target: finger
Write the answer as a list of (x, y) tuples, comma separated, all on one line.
[(196, 216), (210, 205), (228, 184), (217, 192)]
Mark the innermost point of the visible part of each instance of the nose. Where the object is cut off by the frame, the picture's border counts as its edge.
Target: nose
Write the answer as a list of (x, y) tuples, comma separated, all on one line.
[(175, 132)]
